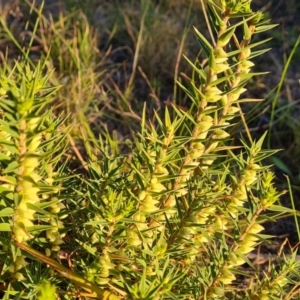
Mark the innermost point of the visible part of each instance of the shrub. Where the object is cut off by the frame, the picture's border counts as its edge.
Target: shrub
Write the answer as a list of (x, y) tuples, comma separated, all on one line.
[(176, 218)]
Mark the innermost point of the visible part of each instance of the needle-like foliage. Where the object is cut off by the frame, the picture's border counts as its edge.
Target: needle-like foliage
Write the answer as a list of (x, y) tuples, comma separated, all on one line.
[(174, 218)]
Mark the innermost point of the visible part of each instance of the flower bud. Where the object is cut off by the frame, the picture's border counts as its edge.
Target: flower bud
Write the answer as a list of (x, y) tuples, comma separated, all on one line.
[(142, 195), (220, 55), (249, 177), (19, 263), (216, 292), (245, 53), (256, 228), (213, 94), (219, 68), (226, 276), (48, 252), (34, 143), (55, 248), (161, 171), (19, 276), (157, 187), (221, 134)]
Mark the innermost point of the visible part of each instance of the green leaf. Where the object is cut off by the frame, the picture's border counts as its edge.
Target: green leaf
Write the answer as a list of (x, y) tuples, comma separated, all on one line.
[(205, 44), (6, 212), (215, 17), (9, 146), (258, 53), (8, 128), (239, 15), (188, 92), (247, 33), (262, 28), (235, 52), (195, 68), (6, 106), (11, 167), (4, 157), (38, 209), (38, 228), (281, 209), (5, 227), (224, 39), (212, 61), (250, 75)]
